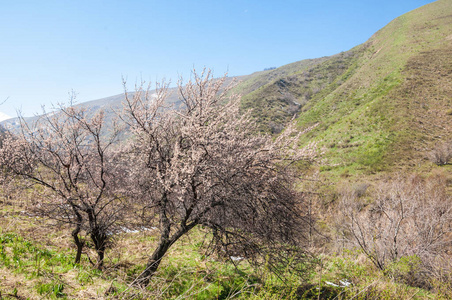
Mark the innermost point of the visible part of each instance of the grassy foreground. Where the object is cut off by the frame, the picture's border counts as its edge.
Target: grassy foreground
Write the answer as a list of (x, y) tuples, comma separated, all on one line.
[(36, 262)]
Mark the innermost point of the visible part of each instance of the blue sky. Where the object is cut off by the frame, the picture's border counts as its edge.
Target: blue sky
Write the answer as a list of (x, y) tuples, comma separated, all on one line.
[(49, 48)]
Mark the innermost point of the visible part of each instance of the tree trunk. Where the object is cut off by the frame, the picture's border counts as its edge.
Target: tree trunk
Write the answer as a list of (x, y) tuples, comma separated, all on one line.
[(165, 242), (100, 258), (98, 236), (156, 257), (154, 262), (78, 243), (78, 227), (99, 239)]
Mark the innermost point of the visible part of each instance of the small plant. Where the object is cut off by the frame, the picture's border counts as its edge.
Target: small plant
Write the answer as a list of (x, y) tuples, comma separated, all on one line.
[(52, 289), (84, 277), (408, 270)]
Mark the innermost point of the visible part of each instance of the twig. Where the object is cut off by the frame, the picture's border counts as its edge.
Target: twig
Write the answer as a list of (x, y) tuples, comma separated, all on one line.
[(3, 102), (372, 283), (415, 294)]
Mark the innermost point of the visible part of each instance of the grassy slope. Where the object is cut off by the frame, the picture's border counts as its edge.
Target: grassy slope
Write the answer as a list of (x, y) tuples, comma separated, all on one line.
[(36, 262), (277, 95), (379, 106)]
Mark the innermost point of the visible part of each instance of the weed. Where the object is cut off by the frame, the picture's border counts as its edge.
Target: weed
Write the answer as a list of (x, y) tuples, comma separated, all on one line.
[(52, 289)]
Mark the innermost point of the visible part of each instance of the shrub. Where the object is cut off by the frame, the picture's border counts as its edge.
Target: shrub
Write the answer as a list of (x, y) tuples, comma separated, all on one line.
[(409, 219), (441, 154), (408, 270)]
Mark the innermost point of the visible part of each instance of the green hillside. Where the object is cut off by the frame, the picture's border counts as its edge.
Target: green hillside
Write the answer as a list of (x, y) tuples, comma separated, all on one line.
[(382, 105)]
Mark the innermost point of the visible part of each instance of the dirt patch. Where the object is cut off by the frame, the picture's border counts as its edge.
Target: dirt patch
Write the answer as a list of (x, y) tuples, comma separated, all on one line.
[(16, 286)]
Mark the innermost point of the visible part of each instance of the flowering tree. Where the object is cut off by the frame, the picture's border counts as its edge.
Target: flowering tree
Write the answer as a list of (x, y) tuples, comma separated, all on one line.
[(71, 156), (206, 164)]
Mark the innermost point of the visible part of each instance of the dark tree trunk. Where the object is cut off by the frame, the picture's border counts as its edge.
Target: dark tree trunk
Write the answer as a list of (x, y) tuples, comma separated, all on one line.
[(100, 258), (78, 243), (75, 233), (99, 239), (156, 257), (154, 262), (166, 240), (98, 236)]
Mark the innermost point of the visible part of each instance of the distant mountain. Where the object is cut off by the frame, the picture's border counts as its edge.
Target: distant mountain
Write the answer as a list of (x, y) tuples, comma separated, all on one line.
[(4, 117), (110, 105)]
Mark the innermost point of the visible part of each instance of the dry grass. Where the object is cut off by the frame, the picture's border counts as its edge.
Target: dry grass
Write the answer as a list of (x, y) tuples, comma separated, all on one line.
[(184, 273)]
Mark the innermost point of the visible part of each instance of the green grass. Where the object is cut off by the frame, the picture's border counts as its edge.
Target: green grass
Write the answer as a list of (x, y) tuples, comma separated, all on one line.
[(23, 256), (40, 264), (289, 88), (187, 273), (368, 101)]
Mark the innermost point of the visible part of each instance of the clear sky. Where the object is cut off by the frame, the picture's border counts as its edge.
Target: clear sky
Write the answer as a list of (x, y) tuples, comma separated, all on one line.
[(49, 48)]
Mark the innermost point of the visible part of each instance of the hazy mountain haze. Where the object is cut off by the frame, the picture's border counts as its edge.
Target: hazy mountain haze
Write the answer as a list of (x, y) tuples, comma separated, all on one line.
[(4, 117)]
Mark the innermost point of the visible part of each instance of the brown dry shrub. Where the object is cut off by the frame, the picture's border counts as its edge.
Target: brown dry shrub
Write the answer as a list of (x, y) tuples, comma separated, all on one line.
[(441, 154), (408, 217)]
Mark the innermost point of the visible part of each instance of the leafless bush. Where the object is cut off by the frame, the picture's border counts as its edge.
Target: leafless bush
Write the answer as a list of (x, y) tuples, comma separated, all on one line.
[(409, 217), (359, 189), (71, 156), (441, 153)]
